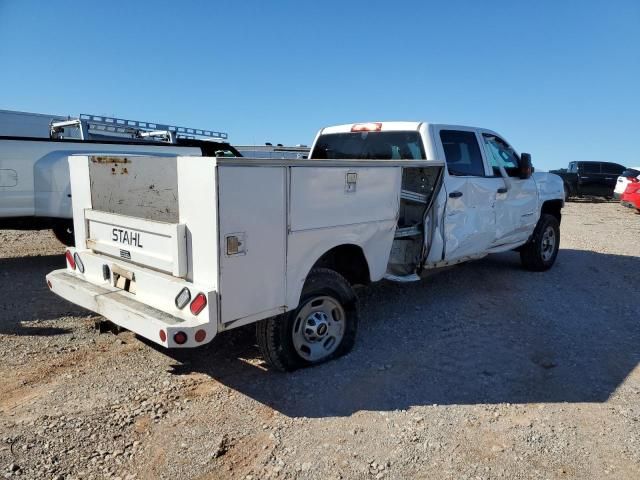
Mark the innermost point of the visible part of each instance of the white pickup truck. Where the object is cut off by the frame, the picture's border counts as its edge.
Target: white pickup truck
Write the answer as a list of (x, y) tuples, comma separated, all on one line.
[(34, 171), (180, 249)]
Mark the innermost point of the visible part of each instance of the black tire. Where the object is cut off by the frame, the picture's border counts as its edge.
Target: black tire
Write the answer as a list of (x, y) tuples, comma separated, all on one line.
[(63, 230), (536, 255), (275, 336)]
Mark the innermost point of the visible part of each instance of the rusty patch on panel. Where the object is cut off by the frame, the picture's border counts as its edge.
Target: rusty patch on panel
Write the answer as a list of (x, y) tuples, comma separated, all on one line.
[(115, 160)]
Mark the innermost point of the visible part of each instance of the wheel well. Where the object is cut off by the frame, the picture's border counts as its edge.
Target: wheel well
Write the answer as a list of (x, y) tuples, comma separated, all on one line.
[(553, 207), (349, 261)]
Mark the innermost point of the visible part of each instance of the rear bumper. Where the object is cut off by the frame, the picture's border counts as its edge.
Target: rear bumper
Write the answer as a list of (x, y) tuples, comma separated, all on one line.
[(123, 310)]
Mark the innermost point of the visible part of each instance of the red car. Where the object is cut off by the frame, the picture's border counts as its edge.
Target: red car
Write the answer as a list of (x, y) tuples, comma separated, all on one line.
[(631, 196)]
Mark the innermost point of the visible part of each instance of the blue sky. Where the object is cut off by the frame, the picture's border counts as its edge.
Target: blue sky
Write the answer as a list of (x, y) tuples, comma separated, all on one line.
[(559, 79)]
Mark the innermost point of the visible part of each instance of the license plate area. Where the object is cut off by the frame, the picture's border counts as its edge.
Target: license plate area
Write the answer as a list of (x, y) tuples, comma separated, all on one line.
[(123, 279)]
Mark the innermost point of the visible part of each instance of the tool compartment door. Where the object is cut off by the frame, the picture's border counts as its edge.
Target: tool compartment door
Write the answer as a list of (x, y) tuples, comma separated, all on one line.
[(253, 228)]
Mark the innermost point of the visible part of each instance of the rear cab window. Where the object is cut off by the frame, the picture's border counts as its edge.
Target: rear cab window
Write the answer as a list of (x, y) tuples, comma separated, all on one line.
[(462, 153), (394, 145), (612, 168), (591, 167)]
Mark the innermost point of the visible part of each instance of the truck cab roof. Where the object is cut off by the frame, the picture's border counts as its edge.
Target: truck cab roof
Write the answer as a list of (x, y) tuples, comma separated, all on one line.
[(394, 126)]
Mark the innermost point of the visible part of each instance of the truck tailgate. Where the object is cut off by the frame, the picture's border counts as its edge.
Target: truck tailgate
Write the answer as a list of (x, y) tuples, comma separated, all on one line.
[(154, 244)]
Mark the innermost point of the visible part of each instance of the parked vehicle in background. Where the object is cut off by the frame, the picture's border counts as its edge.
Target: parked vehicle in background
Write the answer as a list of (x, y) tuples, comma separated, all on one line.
[(623, 180), (597, 179), (34, 172), (631, 196), (181, 249), (26, 124)]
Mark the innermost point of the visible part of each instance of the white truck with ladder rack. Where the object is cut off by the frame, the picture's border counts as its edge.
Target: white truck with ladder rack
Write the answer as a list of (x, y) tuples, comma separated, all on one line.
[(179, 250), (34, 171)]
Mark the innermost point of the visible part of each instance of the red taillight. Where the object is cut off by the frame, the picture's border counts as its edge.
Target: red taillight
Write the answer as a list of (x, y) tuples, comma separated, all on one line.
[(198, 304), (70, 260), (180, 338), (163, 336), (200, 335), (367, 127)]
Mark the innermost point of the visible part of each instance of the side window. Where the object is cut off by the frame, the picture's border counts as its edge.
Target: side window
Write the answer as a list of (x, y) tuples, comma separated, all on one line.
[(499, 152), (462, 153), (572, 167), (591, 167), (612, 168)]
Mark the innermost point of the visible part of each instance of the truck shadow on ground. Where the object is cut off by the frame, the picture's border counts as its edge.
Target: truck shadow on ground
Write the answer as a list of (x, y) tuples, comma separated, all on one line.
[(484, 332), (26, 298)]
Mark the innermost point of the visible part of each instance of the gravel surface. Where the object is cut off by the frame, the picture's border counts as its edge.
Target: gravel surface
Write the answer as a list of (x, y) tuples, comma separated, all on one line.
[(480, 371)]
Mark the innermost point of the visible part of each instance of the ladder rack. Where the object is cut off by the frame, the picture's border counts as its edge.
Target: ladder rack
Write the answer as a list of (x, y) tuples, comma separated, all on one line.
[(119, 127)]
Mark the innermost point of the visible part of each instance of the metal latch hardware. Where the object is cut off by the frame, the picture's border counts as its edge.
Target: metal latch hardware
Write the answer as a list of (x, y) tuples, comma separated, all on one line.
[(350, 183), (235, 244)]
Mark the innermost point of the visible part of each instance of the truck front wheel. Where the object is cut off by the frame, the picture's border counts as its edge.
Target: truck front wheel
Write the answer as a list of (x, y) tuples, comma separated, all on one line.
[(540, 253), (322, 328)]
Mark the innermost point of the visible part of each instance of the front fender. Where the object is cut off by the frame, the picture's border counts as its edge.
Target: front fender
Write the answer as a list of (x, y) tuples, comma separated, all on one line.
[(550, 187)]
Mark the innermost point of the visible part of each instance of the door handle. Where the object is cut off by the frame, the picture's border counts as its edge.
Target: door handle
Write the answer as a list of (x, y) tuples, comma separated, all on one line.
[(502, 190), (455, 194)]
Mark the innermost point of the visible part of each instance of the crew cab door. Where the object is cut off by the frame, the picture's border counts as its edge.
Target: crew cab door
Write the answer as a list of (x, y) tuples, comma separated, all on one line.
[(610, 174), (469, 219), (590, 178), (516, 201)]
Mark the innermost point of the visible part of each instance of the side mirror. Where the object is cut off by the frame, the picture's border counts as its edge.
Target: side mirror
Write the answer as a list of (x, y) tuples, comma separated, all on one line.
[(525, 166)]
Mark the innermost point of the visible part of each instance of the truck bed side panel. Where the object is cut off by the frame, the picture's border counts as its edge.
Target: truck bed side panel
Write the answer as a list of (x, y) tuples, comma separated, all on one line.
[(324, 215), (252, 217), (320, 197)]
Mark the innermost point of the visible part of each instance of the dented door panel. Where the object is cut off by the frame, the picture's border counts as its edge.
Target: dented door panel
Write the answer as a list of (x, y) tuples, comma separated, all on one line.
[(469, 223)]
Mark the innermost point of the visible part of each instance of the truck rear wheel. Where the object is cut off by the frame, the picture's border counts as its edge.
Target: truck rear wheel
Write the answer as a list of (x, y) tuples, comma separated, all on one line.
[(322, 328), (540, 253), (63, 230)]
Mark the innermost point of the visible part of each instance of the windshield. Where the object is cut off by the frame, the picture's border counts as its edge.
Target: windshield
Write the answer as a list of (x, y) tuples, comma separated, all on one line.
[(370, 145), (630, 173)]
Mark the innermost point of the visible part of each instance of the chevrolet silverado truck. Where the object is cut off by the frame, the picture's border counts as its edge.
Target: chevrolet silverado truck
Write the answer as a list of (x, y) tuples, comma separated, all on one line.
[(590, 179), (181, 249)]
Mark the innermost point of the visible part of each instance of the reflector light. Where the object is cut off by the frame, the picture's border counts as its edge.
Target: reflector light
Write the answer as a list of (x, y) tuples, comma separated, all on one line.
[(49, 284), (180, 338), (70, 260), (78, 261), (163, 336), (198, 303), (183, 298), (200, 335), (366, 127)]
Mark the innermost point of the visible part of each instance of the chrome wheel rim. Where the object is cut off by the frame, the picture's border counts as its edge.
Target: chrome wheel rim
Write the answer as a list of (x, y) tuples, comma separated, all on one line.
[(548, 243), (318, 328)]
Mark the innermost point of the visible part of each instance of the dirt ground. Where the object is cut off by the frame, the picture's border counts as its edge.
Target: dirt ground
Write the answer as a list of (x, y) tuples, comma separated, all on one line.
[(481, 371)]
